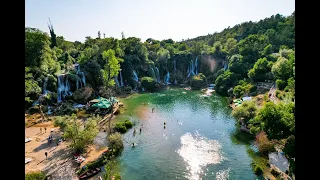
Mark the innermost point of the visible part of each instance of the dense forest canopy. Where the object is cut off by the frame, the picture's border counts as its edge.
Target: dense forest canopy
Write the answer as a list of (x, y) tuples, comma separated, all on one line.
[(244, 54)]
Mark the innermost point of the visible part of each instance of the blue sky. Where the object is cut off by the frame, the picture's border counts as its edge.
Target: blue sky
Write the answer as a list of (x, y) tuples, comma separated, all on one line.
[(161, 19)]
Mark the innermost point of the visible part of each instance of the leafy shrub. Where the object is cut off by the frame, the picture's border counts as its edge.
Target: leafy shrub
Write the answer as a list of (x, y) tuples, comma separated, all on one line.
[(115, 143), (198, 81), (281, 84), (123, 127), (66, 108), (264, 144), (60, 121), (148, 83), (35, 176), (257, 170), (246, 111), (120, 127), (128, 123)]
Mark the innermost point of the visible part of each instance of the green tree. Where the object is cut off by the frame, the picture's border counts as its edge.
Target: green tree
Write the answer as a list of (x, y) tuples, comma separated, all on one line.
[(115, 143), (231, 46), (291, 85), (112, 171), (260, 69), (282, 69), (267, 50), (236, 65), (196, 48), (198, 81), (277, 120), (225, 81), (111, 68), (246, 111), (251, 47), (281, 84), (81, 137), (35, 40), (163, 56), (53, 35), (289, 147), (148, 83)]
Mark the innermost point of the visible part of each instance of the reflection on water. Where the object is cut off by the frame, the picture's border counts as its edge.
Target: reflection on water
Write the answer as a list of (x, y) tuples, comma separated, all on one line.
[(200, 140), (198, 152), (223, 174)]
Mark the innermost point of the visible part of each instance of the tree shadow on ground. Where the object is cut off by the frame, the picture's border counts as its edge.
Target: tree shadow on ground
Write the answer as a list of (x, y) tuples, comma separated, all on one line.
[(46, 146)]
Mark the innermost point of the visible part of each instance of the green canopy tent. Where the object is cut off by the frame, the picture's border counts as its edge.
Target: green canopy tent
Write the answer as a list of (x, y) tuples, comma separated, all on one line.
[(102, 104)]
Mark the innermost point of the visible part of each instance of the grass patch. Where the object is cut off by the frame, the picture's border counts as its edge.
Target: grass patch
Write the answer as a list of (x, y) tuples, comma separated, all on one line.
[(35, 176), (82, 114)]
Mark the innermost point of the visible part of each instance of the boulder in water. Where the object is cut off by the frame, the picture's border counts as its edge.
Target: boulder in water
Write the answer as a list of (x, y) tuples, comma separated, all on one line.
[(197, 82), (83, 95), (148, 83)]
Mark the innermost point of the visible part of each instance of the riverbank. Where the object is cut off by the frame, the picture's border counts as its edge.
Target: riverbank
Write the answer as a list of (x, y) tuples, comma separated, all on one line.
[(259, 160), (59, 163)]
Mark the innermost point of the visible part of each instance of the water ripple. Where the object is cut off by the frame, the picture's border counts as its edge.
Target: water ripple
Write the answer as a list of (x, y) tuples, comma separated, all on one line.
[(198, 152), (223, 174)]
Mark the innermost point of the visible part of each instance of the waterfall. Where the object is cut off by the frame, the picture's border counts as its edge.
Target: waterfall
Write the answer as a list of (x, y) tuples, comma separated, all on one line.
[(44, 88), (83, 78), (64, 83), (174, 68), (193, 68), (63, 87), (225, 66), (81, 75), (135, 76), (116, 80), (166, 78), (153, 74), (157, 75), (121, 80), (196, 65)]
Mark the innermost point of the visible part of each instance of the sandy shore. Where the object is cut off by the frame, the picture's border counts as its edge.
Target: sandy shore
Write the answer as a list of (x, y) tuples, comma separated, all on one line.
[(59, 163)]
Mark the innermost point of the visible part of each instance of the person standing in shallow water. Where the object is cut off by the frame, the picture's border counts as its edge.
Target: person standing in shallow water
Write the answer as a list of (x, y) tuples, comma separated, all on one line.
[(46, 154), (152, 110)]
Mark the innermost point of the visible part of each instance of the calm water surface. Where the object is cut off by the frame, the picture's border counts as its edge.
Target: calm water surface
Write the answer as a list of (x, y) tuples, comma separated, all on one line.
[(196, 142)]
